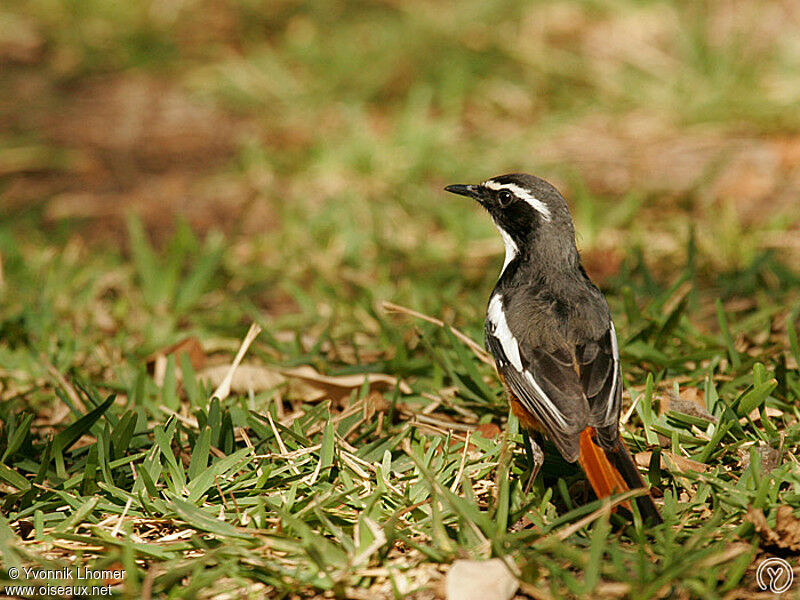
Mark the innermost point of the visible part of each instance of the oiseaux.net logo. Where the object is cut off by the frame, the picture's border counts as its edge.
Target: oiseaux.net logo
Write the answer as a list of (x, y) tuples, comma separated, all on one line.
[(774, 575)]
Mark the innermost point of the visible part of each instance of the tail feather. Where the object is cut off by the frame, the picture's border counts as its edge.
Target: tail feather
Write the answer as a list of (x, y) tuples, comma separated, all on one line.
[(613, 471)]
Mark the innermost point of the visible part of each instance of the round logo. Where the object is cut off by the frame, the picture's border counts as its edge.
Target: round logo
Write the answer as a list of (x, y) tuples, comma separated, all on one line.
[(775, 575)]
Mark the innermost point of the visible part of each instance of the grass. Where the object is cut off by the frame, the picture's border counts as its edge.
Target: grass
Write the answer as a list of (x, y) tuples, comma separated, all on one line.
[(362, 450)]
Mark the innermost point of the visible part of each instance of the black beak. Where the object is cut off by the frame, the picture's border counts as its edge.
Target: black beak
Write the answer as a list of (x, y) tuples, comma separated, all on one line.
[(462, 190)]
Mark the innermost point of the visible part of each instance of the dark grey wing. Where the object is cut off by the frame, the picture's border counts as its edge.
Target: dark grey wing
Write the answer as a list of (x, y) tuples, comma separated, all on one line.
[(602, 383), (546, 384)]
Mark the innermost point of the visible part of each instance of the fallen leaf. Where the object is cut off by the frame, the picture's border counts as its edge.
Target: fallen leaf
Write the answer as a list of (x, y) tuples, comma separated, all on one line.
[(755, 414), (308, 383), (769, 457), (692, 394), (304, 382), (787, 527), (691, 402), (488, 430), (672, 461), (480, 580), (376, 402), (257, 378), (157, 361)]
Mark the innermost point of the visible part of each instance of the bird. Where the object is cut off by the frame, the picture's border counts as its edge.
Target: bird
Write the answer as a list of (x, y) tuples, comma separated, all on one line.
[(550, 332)]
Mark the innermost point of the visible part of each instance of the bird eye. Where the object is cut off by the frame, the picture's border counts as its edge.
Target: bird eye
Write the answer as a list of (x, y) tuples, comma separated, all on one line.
[(505, 198)]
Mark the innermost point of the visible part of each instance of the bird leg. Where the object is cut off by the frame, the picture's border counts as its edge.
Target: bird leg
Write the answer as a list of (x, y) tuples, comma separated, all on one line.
[(535, 456)]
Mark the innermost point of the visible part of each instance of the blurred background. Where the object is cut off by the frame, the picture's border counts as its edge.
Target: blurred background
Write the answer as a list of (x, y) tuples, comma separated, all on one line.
[(180, 166), (172, 171)]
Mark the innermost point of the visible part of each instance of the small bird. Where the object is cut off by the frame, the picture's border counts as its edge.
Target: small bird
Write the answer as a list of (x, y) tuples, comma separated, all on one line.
[(550, 332)]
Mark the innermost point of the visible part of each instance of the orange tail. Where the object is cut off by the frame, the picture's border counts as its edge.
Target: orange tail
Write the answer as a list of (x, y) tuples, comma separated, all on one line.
[(602, 475), (613, 471)]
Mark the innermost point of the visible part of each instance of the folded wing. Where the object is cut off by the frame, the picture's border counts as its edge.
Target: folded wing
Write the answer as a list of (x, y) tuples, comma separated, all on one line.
[(546, 384), (601, 380)]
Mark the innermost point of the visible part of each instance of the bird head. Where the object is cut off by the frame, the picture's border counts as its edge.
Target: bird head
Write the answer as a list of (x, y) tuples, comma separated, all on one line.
[(530, 214)]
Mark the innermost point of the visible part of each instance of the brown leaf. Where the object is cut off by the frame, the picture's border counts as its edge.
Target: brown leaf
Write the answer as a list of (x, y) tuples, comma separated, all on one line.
[(691, 402), (671, 461), (787, 528), (257, 378), (307, 382), (692, 394), (488, 430), (190, 346), (770, 457), (755, 414), (376, 402)]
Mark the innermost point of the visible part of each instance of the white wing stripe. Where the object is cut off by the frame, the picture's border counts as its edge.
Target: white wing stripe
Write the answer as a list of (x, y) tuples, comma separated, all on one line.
[(543, 397), (503, 333), (521, 193), (511, 349), (615, 374)]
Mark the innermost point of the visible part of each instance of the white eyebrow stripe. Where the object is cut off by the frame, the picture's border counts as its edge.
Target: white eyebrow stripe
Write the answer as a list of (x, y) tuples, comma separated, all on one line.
[(520, 193)]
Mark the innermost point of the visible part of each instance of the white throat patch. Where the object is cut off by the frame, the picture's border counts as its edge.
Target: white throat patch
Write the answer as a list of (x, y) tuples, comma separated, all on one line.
[(512, 250), (522, 194)]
